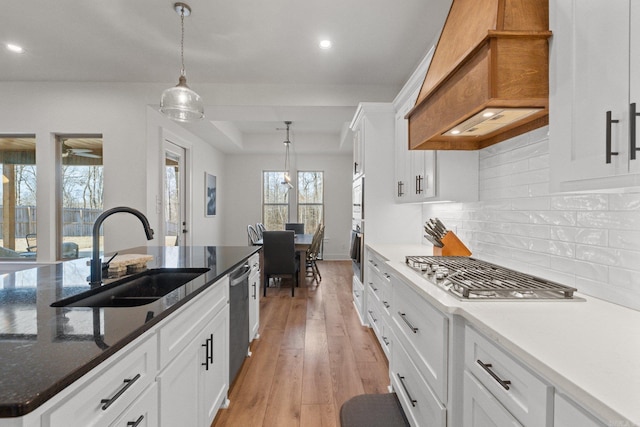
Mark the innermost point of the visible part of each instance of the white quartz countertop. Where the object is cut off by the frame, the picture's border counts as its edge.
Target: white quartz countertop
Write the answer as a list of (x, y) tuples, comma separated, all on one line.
[(587, 349)]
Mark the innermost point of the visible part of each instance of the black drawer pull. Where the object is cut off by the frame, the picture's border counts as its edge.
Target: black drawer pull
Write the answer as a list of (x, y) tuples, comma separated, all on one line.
[(400, 188), (136, 422), (254, 290), (373, 318), (208, 345), (609, 153), (487, 367), (633, 115), (386, 304), (386, 340), (411, 399), (413, 328), (127, 383)]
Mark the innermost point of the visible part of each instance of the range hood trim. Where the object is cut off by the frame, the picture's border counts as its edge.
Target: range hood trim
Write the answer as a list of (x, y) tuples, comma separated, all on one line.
[(491, 75)]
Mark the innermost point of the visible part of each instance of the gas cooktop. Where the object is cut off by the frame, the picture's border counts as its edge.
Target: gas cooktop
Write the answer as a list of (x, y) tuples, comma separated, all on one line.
[(468, 278)]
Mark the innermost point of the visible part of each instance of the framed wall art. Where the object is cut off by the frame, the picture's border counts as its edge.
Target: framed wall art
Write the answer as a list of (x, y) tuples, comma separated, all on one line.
[(210, 194)]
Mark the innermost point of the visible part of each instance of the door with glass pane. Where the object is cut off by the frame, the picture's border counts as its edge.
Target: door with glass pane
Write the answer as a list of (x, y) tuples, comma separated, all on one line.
[(175, 223)]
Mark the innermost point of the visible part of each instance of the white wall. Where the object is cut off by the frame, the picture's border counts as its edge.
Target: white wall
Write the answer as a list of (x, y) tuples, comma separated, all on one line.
[(590, 241), (244, 195)]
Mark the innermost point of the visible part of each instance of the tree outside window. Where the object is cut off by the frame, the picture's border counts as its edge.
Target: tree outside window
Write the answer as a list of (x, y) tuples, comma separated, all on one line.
[(275, 200), (310, 199)]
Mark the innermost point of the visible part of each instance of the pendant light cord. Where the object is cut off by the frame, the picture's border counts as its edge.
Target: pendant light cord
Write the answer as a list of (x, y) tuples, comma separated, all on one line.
[(182, 73)]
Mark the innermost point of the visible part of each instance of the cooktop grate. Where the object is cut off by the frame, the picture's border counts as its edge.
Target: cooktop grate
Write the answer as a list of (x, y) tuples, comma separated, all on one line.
[(472, 278)]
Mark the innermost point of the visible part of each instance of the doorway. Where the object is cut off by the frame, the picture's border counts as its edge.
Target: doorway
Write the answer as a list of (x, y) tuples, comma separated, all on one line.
[(174, 200)]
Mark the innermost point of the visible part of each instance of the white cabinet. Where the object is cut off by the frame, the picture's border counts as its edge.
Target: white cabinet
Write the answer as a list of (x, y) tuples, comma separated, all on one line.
[(501, 387), (194, 362), (359, 298), (568, 414), (379, 297), (254, 297), (104, 394), (358, 152), (141, 413), (594, 64)]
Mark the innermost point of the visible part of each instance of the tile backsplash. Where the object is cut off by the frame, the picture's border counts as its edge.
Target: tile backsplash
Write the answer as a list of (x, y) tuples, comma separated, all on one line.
[(589, 241)]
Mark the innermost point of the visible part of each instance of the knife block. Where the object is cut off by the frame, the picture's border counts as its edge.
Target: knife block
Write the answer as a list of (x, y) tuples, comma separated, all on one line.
[(451, 246)]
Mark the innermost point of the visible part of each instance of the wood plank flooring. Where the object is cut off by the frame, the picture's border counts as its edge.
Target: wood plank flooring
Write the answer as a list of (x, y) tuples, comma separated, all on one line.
[(312, 355)]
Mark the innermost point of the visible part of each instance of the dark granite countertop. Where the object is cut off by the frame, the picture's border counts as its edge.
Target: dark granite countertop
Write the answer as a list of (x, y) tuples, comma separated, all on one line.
[(45, 349)]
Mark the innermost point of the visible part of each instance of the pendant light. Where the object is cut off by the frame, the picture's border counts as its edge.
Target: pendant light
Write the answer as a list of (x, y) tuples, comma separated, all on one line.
[(287, 164), (180, 103)]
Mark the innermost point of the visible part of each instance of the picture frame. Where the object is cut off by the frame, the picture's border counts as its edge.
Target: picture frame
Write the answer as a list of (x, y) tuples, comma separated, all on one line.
[(210, 189)]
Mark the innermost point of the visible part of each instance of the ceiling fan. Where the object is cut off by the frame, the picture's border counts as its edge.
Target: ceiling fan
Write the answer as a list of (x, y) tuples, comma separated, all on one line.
[(80, 152)]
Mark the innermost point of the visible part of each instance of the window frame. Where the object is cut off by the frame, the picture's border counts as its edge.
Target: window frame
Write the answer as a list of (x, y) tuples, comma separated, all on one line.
[(264, 203), (302, 204)]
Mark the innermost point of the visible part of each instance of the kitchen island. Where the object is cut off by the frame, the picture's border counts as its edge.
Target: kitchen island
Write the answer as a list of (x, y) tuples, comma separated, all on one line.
[(546, 363), (45, 349)]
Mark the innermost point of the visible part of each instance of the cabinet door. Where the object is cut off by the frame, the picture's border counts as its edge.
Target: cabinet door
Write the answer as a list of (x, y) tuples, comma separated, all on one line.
[(214, 367), (423, 168), (178, 388), (566, 414), (402, 158), (254, 305), (481, 409), (358, 152), (634, 83), (590, 76)]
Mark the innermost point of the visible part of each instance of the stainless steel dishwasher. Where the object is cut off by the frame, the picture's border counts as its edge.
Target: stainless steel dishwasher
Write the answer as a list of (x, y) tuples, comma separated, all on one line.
[(238, 319)]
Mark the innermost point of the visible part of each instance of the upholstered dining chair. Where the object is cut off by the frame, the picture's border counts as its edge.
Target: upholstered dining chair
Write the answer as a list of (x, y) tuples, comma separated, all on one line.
[(279, 255), (297, 227)]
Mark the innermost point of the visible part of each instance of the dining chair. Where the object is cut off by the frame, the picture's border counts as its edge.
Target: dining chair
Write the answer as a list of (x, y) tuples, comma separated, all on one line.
[(252, 235), (297, 227), (279, 255), (313, 252), (260, 229)]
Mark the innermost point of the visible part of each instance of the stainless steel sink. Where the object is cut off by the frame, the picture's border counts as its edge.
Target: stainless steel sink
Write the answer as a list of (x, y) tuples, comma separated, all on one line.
[(135, 290)]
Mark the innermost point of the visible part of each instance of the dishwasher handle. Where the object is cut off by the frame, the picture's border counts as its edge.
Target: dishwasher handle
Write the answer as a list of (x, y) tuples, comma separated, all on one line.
[(239, 275)]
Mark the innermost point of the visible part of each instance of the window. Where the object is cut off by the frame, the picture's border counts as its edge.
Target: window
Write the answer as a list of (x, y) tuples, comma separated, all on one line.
[(81, 192), (18, 195), (275, 200), (310, 199)]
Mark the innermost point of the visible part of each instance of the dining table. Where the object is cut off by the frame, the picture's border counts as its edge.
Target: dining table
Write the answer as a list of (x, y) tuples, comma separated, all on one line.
[(302, 243)]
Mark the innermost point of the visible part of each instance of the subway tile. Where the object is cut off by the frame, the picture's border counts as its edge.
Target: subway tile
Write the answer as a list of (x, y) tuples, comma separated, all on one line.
[(625, 239), (531, 230), (592, 236), (565, 218), (608, 256), (624, 278), (619, 220), (531, 204), (539, 162), (564, 234), (588, 202), (561, 248), (538, 190), (563, 265), (531, 258), (625, 202), (592, 270), (540, 134)]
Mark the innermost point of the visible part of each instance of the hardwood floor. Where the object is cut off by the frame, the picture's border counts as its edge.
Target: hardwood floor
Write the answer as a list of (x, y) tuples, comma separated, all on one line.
[(312, 355)]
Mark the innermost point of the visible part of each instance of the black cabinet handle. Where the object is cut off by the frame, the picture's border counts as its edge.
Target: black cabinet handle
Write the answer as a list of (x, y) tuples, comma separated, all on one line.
[(136, 422), (487, 367), (356, 294), (411, 399), (254, 290), (355, 168), (609, 153), (386, 340), (419, 179), (633, 115), (373, 318), (208, 358), (400, 188), (386, 304), (127, 383), (413, 329)]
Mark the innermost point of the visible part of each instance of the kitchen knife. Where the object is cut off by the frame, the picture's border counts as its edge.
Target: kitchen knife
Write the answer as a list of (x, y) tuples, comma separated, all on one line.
[(433, 241), (441, 227), (434, 227), (428, 227)]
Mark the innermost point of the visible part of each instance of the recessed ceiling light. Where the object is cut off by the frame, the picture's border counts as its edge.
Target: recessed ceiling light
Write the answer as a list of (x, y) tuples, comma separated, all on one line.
[(325, 44), (15, 48)]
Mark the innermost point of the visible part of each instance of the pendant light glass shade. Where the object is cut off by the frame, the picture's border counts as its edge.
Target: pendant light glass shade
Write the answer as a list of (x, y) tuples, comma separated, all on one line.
[(287, 165), (180, 103)]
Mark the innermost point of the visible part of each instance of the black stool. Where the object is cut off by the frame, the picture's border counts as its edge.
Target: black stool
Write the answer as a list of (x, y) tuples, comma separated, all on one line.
[(373, 410)]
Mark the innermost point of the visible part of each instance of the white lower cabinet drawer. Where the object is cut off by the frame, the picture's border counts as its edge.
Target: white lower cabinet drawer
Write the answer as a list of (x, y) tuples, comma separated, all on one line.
[(423, 330), (108, 390), (420, 404), (143, 412), (481, 408), (523, 394)]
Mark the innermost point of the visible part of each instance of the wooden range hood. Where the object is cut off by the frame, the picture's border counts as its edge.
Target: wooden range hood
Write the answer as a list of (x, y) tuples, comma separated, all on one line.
[(489, 77)]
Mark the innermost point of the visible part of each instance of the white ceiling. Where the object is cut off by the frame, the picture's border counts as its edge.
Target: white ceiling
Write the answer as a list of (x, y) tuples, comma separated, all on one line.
[(273, 42)]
